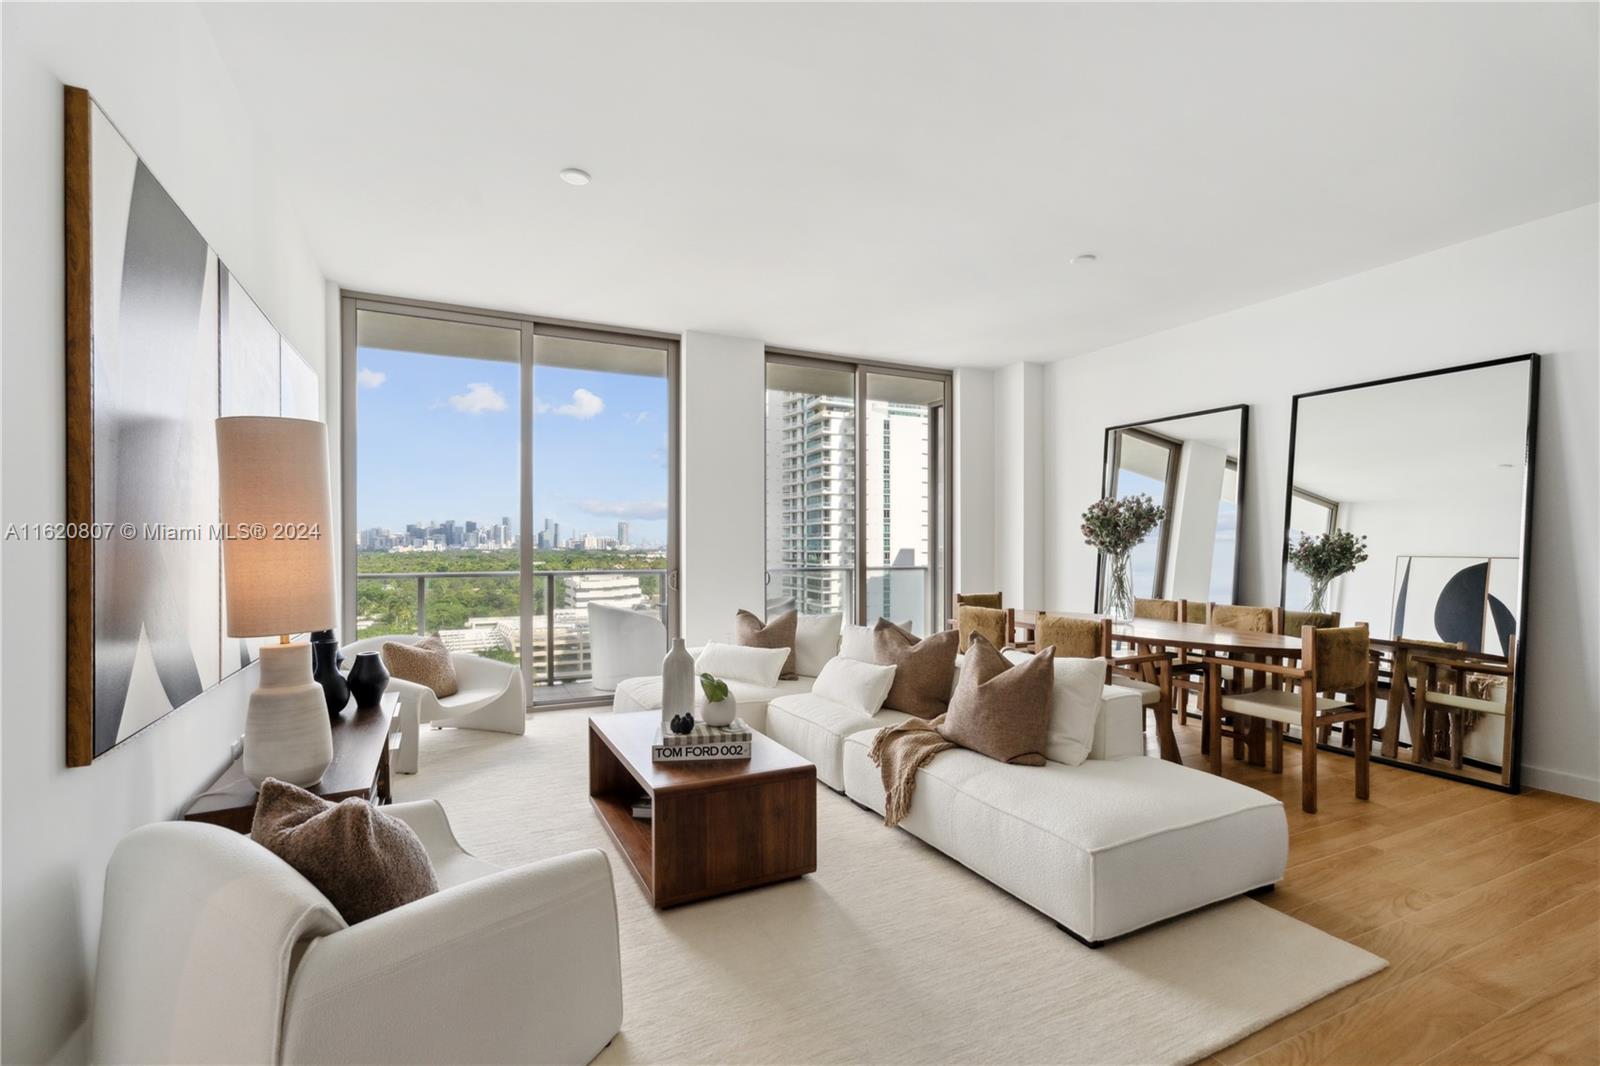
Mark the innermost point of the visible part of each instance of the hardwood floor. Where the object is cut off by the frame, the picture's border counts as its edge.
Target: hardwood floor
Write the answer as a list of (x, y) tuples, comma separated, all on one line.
[(1487, 907)]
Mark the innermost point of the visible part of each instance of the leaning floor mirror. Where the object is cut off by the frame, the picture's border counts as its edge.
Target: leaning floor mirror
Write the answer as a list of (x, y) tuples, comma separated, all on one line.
[(1408, 508), (1193, 467)]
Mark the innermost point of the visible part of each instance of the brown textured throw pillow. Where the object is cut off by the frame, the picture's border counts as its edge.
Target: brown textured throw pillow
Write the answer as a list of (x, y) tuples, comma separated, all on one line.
[(363, 860), (924, 669), (1001, 710), (427, 662), (752, 632)]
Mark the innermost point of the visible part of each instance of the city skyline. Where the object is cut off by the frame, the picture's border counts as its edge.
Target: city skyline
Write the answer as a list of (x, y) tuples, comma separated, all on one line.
[(489, 534), (441, 435)]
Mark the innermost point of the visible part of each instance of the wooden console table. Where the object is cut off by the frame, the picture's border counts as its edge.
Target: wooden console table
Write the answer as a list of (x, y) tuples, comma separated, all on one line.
[(360, 767)]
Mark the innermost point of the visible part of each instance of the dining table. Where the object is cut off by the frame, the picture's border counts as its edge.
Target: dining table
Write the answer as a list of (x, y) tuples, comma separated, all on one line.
[(1154, 634)]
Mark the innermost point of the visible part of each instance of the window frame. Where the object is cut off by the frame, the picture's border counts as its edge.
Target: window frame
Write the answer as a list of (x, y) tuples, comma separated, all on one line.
[(941, 489), (531, 327)]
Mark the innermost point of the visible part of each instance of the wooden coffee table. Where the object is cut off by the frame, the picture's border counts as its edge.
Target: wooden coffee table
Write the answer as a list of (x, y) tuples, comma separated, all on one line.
[(718, 827)]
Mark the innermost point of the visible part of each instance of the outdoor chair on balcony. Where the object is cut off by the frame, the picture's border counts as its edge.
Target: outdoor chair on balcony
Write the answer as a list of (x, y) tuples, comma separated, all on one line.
[(623, 644), (491, 696)]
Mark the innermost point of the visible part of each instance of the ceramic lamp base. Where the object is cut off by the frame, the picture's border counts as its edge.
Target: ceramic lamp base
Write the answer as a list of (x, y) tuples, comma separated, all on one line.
[(286, 733)]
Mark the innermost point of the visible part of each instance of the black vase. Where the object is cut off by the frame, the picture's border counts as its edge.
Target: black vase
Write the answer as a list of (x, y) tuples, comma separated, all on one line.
[(325, 670), (368, 678)]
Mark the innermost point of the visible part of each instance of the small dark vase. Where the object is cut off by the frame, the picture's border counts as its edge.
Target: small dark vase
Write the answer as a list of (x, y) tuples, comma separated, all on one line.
[(325, 670), (368, 678)]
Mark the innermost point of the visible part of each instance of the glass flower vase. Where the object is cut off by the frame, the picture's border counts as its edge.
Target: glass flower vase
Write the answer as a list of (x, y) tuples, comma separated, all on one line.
[(1119, 588)]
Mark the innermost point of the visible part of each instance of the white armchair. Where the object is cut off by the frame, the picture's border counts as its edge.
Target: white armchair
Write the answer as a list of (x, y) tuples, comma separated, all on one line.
[(214, 950), (623, 644), (491, 696)]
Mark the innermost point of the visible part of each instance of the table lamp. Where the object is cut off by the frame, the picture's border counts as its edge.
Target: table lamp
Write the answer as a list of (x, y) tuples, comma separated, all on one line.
[(277, 564)]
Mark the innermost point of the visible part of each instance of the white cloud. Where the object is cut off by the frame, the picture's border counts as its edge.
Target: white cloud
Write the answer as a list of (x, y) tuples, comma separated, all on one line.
[(479, 398), (641, 418), (370, 379), (584, 406), (642, 510)]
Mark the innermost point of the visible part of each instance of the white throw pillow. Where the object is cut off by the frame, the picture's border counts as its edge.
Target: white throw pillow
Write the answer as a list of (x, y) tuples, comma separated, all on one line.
[(854, 684), (816, 640), (731, 662), (1074, 707), (855, 642)]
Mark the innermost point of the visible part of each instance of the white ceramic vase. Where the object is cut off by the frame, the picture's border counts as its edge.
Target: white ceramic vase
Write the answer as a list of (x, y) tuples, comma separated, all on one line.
[(677, 684), (286, 732), (720, 712)]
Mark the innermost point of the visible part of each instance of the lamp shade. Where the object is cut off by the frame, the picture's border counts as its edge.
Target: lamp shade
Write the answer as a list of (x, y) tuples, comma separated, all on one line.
[(277, 551)]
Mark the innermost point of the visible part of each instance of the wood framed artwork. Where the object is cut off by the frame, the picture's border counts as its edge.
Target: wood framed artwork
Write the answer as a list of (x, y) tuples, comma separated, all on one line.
[(148, 364)]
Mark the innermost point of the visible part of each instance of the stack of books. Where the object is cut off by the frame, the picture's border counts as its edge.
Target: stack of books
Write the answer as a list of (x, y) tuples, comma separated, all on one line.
[(704, 743)]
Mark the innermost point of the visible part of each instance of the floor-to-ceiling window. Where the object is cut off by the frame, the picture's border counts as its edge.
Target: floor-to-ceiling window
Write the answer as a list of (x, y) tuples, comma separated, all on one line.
[(502, 475), (856, 489), (1145, 464)]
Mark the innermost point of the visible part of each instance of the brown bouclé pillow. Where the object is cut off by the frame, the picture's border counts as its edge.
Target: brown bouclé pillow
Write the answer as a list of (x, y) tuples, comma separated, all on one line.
[(924, 669), (752, 632), (366, 862), (999, 709), (427, 662)]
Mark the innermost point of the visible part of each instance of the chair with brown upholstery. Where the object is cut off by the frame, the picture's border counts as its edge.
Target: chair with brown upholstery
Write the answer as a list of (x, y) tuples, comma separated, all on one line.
[(1294, 622), (1405, 676), (1240, 618), (1331, 660), (998, 626), (1494, 694), (1078, 637), (1156, 610), (992, 600)]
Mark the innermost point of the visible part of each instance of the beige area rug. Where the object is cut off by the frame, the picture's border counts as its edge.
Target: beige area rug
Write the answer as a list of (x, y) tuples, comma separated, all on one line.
[(890, 952)]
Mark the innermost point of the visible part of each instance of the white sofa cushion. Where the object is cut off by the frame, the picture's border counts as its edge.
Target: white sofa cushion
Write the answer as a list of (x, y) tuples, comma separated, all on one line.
[(644, 694), (855, 642), (816, 640), (862, 687), (734, 662), (815, 727), (1074, 706), (1103, 848)]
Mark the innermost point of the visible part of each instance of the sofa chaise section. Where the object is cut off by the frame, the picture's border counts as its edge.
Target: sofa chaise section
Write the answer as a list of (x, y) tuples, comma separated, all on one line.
[(1103, 848)]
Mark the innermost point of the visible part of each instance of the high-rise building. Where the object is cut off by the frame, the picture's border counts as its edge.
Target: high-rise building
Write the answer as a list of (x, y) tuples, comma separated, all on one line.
[(811, 519), (622, 534)]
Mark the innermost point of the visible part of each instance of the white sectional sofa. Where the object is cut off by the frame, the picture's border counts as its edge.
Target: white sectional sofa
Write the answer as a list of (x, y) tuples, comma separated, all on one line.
[(1117, 843), (1104, 848)]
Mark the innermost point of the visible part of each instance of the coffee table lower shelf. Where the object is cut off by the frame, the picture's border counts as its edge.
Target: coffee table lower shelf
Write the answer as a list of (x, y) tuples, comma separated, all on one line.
[(716, 827)]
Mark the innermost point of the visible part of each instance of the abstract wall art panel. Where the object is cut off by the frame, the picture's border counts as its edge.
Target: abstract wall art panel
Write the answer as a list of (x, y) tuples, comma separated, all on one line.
[(1457, 599), (145, 375)]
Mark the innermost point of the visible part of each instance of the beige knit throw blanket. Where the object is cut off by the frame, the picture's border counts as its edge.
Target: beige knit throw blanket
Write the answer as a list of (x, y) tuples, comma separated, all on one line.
[(899, 751)]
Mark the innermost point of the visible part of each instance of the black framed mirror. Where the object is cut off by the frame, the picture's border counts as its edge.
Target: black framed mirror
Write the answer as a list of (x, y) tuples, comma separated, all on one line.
[(1193, 465), (1432, 475)]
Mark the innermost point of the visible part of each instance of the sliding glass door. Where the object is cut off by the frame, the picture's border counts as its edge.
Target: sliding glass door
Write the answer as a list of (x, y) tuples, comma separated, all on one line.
[(856, 490), (502, 475)]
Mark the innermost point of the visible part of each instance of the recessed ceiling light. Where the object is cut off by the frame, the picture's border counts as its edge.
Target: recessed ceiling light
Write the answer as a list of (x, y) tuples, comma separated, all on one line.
[(574, 176), (1085, 258)]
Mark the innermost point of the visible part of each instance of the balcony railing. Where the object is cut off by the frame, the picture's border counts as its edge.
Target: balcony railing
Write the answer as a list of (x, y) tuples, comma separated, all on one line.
[(899, 593), (490, 621)]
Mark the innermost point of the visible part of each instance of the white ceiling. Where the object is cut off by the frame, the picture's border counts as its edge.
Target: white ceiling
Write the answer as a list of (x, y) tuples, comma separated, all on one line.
[(909, 181)]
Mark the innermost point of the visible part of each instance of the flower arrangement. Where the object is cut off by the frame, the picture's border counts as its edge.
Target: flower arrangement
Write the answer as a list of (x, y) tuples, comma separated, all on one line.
[(1325, 557), (1115, 527)]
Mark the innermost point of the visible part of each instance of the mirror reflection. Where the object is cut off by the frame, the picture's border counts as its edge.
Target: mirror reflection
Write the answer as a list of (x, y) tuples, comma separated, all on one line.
[(1192, 466), (1406, 511)]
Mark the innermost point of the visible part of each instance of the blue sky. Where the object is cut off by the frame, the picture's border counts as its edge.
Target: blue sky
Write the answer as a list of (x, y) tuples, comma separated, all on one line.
[(437, 438)]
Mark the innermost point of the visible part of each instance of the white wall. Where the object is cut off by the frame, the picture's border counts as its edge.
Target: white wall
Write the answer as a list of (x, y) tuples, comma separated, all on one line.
[(156, 73), (722, 412), (1019, 483), (975, 517), (1534, 288)]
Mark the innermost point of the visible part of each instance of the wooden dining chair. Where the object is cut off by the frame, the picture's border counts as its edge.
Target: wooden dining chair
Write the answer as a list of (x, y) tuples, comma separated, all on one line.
[(997, 625), (1331, 660), (1235, 676), (1156, 610), (1498, 699), (1294, 622), (1149, 673), (993, 600), (1187, 671), (1399, 699)]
